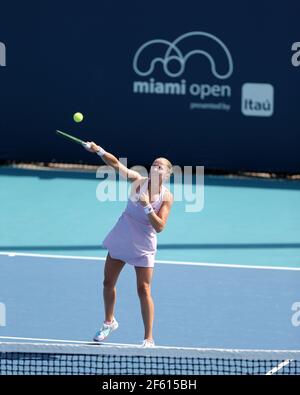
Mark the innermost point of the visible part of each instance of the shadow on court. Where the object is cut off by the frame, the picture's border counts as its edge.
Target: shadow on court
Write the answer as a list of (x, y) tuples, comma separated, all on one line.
[(184, 246)]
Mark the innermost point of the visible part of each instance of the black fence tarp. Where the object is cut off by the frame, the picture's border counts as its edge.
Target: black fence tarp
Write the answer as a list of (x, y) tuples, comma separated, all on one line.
[(202, 83)]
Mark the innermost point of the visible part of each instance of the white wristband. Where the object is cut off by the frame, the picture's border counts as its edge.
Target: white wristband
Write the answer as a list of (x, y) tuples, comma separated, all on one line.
[(148, 209), (101, 152)]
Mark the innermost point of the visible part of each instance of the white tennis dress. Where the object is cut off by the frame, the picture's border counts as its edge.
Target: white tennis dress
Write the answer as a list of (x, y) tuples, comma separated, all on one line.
[(133, 239)]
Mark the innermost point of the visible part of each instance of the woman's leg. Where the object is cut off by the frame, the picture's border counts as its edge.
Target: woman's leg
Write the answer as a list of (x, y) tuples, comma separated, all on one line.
[(144, 277), (112, 270)]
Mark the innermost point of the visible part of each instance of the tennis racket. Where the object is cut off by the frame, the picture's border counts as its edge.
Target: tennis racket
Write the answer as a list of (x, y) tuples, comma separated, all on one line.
[(74, 139)]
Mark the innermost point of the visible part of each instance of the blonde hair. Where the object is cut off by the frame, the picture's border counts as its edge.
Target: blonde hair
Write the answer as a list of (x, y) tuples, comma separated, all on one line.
[(168, 164)]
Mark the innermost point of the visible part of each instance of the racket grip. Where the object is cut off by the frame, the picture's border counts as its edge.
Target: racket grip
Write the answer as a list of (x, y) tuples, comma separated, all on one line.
[(86, 145)]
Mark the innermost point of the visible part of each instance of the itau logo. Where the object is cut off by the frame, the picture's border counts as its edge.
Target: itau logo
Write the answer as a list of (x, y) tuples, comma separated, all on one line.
[(257, 100), (2, 54)]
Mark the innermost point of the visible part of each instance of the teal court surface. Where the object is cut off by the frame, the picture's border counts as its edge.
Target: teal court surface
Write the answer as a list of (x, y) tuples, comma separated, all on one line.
[(225, 277)]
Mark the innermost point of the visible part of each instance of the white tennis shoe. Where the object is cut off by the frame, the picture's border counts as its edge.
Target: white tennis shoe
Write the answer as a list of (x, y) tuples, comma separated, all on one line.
[(148, 343), (106, 330)]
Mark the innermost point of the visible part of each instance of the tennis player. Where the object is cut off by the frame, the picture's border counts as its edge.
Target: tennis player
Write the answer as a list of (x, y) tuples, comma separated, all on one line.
[(133, 238)]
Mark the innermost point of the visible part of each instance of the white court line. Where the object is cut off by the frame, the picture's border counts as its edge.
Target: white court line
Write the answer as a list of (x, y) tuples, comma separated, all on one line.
[(280, 366), (43, 340), (63, 341), (256, 354), (164, 262), (88, 258)]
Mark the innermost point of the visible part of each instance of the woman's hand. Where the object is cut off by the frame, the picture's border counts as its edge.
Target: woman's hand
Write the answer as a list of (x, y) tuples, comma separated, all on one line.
[(144, 199), (93, 147)]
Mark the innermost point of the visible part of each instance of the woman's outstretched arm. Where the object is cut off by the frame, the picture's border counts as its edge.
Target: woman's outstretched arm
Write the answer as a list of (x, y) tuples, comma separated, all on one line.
[(114, 162)]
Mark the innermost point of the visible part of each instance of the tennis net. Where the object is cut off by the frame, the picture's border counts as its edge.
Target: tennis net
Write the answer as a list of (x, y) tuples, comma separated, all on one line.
[(111, 359)]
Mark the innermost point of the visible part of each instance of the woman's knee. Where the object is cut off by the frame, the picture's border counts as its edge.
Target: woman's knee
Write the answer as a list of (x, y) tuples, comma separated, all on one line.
[(144, 290), (109, 283), (112, 270)]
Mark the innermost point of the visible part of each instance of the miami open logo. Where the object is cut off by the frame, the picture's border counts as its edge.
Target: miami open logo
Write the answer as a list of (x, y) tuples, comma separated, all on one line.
[(2, 54), (174, 52), (176, 61)]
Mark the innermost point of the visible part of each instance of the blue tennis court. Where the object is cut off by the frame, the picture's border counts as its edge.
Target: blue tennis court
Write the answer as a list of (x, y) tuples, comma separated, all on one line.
[(202, 306), (225, 277)]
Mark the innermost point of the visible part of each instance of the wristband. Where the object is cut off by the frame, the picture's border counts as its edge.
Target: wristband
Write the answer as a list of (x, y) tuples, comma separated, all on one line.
[(148, 209), (101, 152)]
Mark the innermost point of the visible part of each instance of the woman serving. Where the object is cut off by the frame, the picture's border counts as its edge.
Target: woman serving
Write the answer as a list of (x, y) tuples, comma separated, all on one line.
[(133, 239)]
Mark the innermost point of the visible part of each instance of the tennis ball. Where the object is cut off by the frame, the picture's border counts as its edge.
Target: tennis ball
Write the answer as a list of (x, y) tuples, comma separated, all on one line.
[(78, 117)]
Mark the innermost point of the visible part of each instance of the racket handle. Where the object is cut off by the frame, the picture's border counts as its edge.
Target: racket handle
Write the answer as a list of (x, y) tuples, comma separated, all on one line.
[(86, 145)]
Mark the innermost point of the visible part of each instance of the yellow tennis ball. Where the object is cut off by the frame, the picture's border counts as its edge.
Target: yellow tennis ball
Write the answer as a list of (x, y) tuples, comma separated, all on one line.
[(78, 117)]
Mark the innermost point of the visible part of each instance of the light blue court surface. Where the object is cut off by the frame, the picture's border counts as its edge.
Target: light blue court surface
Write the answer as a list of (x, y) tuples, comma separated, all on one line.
[(238, 294), (195, 305)]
